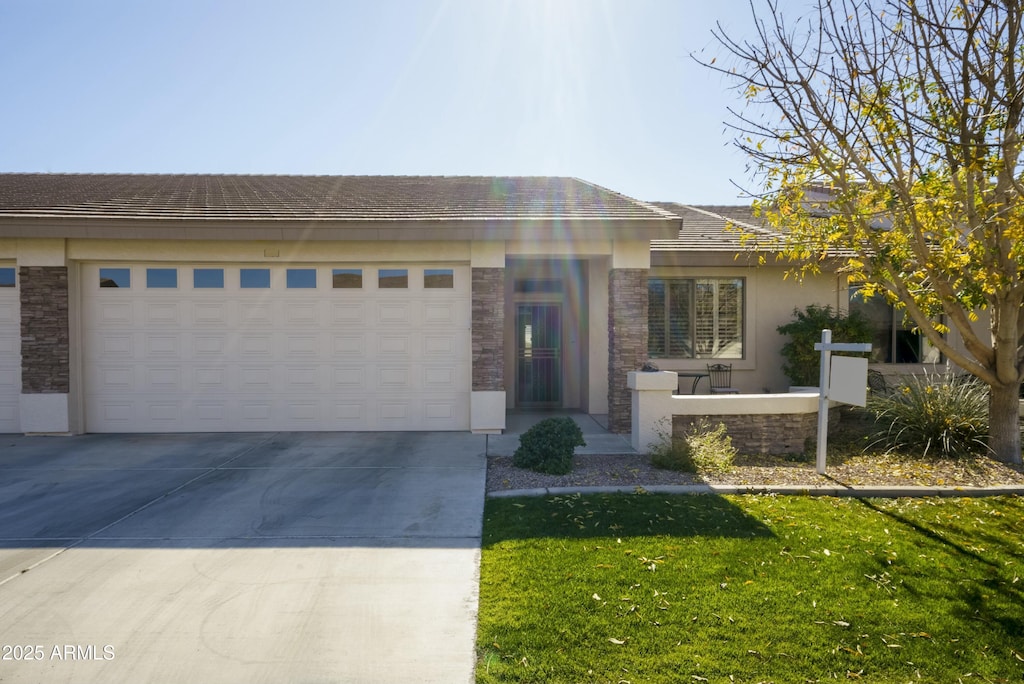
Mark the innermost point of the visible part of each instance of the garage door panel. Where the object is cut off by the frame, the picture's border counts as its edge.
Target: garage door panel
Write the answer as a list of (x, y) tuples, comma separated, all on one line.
[(163, 379), (303, 313), (349, 379), (259, 313), (297, 345), (349, 313), (207, 380), (256, 346), (299, 378), (393, 345), (163, 346), (163, 314), (211, 314), (114, 380), (114, 313), (394, 378), (350, 345), (235, 359), (395, 314), (209, 345), (116, 346)]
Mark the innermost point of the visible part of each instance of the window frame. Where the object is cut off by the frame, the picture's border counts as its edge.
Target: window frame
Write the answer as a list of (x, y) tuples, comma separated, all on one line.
[(692, 324)]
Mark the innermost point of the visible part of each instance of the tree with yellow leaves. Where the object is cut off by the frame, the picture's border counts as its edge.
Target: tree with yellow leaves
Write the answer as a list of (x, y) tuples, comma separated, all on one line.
[(887, 134)]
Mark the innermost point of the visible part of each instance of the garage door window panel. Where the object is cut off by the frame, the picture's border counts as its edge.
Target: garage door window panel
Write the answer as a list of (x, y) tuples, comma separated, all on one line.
[(438, 279), (7, 277), (116, 277), (208, 278), (300, 278), (254, 278), (347, 278), (393, 279), (161, 278)]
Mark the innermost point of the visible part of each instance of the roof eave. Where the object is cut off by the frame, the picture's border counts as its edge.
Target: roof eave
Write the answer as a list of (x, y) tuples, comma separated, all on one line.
[(548, 228)]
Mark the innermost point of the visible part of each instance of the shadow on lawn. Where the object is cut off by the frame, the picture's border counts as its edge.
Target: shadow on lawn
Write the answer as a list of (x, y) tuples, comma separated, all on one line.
[(617, 515), (995, 600)]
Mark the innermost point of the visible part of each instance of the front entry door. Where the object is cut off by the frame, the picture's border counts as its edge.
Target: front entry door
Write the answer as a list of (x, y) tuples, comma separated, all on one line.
[(539, 354)]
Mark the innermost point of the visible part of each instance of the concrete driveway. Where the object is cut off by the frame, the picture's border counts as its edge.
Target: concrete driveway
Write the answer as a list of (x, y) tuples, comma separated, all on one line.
[(277, 557)]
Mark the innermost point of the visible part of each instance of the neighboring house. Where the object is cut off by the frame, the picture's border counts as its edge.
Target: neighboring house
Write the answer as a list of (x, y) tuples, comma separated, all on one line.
[(710, 302), (167, 303)]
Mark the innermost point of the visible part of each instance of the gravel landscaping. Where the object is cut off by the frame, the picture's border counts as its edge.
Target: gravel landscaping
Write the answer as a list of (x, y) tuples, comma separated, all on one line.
[(874, 469)]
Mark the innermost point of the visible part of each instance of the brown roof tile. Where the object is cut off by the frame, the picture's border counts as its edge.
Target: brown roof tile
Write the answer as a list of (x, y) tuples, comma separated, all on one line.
[(711, 228), (312, 198)]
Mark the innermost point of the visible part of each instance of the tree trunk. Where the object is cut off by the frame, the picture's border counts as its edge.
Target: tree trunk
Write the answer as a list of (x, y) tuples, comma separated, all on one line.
[(1004, 423)]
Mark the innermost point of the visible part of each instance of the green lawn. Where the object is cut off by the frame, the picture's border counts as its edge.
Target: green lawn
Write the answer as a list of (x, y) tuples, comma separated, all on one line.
[(654, 588)]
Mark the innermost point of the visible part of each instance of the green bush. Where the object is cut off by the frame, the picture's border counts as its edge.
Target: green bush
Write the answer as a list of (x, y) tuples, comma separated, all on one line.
[(942, 413), (672, 453), (549, 446), (713, 451), (702, 450), (801, 360)]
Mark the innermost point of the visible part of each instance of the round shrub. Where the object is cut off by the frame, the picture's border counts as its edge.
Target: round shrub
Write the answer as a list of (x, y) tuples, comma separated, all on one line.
[(549, 446)]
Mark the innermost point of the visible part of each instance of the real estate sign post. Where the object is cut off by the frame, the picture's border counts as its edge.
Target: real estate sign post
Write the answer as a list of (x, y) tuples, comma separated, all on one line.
[(842, 379)]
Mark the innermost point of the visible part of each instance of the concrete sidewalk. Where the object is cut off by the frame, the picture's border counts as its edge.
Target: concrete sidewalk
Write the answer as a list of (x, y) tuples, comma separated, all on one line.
[(287, 557)]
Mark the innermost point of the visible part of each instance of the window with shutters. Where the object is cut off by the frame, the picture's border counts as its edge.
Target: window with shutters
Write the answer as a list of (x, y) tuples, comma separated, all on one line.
[(695, 318)]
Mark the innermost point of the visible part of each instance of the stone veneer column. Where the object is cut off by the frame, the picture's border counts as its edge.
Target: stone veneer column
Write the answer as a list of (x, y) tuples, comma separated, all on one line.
[(489, 329), (45, 350), (487, 400), (627, 340)]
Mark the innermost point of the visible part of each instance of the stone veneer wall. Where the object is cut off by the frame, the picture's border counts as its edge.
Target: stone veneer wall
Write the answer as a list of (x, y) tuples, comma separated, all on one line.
[(489, 329), (44, 330), (627, 340), (786, 433)]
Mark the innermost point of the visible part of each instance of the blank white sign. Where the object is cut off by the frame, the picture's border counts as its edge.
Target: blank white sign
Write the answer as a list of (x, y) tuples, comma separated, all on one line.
[(848, 380)]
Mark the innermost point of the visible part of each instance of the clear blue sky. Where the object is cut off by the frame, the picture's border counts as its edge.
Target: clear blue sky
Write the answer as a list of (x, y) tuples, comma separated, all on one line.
[(602, 90)]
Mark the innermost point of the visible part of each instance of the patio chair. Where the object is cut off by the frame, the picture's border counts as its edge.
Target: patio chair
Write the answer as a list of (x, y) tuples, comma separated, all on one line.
[(720, 375)]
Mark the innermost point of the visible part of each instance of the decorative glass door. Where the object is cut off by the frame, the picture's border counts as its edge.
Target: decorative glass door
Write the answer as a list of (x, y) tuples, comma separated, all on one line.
[(538, 354)]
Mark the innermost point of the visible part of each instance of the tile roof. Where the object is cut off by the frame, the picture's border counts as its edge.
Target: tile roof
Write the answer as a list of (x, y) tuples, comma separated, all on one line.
[(710, 228), (312, 198)]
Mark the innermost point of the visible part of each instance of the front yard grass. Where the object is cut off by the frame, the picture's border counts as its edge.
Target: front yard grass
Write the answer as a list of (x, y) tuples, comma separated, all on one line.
[(654, 588)]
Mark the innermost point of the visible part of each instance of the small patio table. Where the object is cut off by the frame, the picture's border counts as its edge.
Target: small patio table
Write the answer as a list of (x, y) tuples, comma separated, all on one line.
[(696, 375)]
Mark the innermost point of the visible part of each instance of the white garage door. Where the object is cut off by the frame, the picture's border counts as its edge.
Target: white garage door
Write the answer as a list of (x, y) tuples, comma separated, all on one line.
[(204, 348), (10, 351)]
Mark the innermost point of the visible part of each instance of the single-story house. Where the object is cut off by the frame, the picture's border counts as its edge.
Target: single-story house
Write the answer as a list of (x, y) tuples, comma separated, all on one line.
[(191, 303), (171, 303)]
